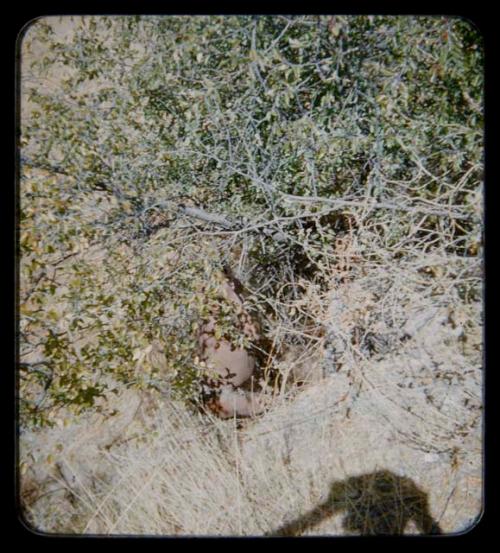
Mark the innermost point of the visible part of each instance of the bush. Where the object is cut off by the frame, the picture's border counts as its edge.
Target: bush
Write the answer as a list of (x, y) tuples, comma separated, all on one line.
[(155, 150)]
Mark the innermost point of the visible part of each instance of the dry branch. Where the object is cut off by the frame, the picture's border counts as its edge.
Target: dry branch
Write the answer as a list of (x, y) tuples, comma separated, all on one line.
[(216, 219), (377, 205)]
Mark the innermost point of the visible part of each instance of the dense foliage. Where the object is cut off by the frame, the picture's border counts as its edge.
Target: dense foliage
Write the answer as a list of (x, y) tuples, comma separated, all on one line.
[(290, 131)]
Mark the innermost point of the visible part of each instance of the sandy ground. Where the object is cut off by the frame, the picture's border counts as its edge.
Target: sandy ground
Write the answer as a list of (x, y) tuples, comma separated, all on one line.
[(154, 468)]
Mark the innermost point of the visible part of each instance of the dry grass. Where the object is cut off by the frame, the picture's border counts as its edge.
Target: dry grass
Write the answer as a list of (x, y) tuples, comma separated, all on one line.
[(392, 353), (156, 469), (387, 335)]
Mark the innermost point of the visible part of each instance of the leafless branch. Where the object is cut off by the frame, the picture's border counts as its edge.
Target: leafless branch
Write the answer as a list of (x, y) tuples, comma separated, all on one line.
[(453, 214)]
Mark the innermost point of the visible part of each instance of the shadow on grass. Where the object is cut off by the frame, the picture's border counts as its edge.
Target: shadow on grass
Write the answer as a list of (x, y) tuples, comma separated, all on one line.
[(376, 503)]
